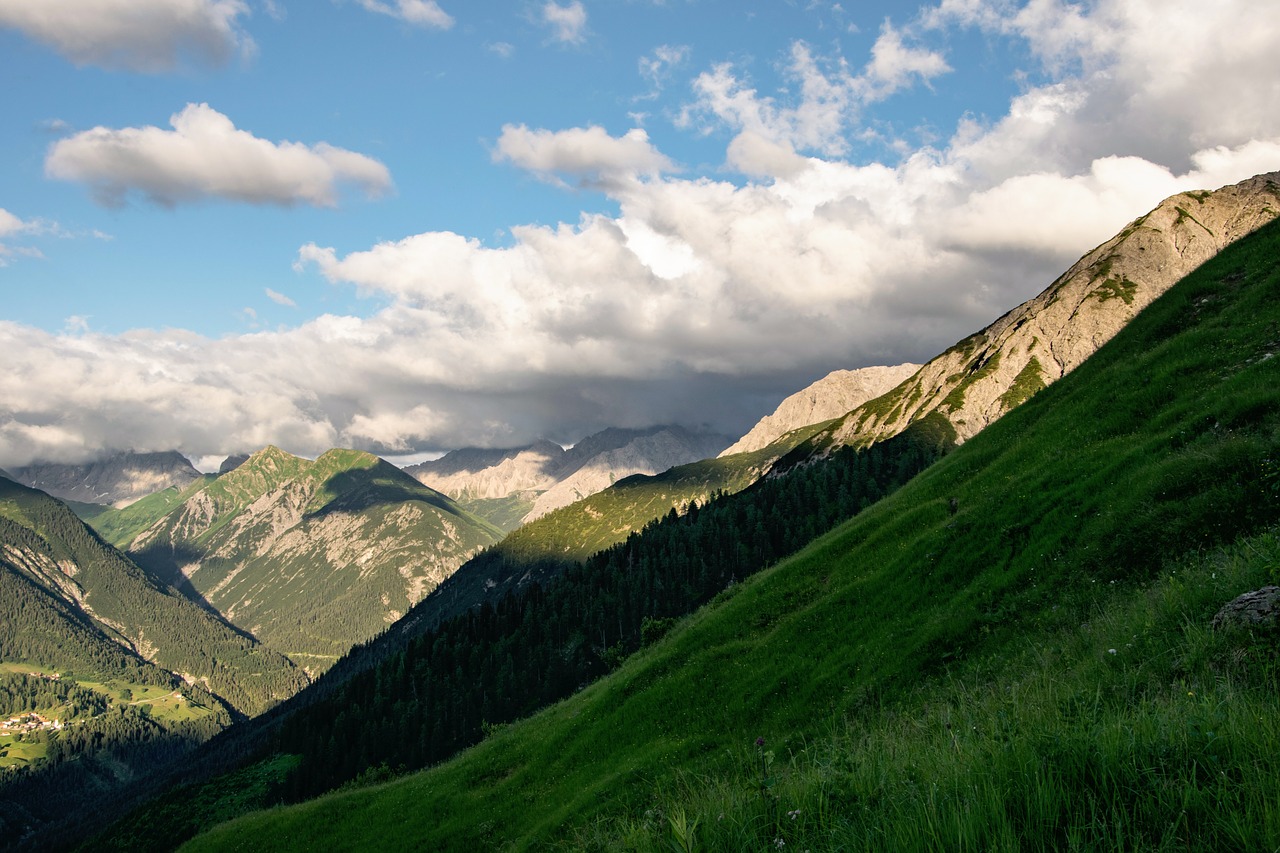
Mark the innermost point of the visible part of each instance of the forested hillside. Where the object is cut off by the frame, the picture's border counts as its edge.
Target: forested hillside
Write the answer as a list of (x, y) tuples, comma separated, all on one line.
[(107, 673), (1033, 609), (440, 691)]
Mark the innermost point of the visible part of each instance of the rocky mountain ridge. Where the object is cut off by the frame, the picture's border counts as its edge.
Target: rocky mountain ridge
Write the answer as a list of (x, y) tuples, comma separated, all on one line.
[(548, 477), (308, 556), (115, 480), (990, 372), (835, 394)]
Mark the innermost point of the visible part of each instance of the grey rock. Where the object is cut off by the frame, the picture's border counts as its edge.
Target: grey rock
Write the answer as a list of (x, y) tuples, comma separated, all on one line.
[(1258, 609), (985, 375), (116, 480)]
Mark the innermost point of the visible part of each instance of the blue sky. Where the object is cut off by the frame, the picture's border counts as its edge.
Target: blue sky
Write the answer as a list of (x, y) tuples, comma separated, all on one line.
[(410, 226)]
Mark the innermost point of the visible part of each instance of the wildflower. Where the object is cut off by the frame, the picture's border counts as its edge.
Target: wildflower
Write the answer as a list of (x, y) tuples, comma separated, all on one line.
[(759, 741), (793, 814), (1111, 651), (779, 843)]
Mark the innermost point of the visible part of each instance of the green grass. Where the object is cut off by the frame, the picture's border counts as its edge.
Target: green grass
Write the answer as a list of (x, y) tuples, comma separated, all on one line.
[(506, 513), (1123, 723), (987, 594)]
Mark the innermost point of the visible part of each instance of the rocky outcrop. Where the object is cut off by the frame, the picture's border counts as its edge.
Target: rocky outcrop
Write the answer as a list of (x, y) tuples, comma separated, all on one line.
[(835, 394), (117, 480), (1257, 609), (987, 374), (232, 462)]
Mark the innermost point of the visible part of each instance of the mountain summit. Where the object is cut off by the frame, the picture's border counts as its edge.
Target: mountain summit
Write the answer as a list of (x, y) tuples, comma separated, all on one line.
[(115, 480), (985, 375)]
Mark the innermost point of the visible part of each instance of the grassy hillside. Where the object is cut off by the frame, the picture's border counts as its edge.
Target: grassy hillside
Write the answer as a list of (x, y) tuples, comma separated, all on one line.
[(884, 669), (122, 526)]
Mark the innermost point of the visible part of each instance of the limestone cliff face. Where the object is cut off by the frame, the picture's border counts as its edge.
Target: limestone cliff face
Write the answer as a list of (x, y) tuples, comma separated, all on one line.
[(987, 374), (474, 473), (833, 395), (117, 480)]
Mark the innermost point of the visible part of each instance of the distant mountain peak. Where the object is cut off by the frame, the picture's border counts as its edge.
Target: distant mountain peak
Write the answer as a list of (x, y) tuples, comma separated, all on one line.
[(116, 479)]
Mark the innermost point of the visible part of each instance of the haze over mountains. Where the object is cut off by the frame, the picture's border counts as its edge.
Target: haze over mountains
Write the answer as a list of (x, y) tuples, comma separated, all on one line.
[(545, 477), (116, 480)]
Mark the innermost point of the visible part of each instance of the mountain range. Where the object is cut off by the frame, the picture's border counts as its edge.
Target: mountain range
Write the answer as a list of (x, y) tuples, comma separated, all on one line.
[(309, 557), (1012, 650), (115, 480), (1118, 462), (516, 486)]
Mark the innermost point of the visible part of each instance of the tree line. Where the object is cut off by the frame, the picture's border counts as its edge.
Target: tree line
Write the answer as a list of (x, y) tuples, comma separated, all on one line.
[(502, 661)]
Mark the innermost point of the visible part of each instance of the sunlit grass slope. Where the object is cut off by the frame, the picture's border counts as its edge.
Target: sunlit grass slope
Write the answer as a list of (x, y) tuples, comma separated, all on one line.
[(938, 673)]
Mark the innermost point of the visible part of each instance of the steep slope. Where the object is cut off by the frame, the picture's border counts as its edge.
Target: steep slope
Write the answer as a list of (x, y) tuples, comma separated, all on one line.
[(514, 487), (1035, 344), (117, 480), (85, 591), (1060, 527), (311, 557), (835, 394), (972, 383)]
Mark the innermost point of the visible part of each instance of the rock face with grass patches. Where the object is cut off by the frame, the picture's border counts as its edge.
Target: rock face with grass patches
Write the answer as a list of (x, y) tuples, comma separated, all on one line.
[(547, 476), (833, 395), (311, 557), (985, 375)]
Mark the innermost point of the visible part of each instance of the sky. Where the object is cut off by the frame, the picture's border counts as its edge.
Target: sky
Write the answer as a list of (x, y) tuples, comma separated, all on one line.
[(409, 226)]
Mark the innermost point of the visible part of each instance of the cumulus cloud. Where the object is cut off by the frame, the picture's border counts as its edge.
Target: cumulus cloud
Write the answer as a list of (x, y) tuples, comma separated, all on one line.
[(135, 35), (568, 23), (424, 13), (701, 299), (206, 156), (588, 154)]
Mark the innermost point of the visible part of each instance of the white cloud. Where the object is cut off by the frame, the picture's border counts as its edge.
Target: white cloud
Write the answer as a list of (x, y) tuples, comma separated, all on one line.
[(502, 48), (12, 226), (426, 13), (136, 35), (568, 23), (894, 65), (206, 156), (827, 96), (658, 66), (699, 296), (589, 154), (280, 299)]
